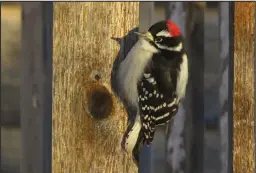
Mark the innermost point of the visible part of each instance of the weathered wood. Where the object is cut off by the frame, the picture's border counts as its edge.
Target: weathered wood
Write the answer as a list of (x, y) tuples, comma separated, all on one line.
[(195, 121), (36, 87), (224, 21), (231, 87), (83, 56), (10, 63), (244, 145), (212, 106)]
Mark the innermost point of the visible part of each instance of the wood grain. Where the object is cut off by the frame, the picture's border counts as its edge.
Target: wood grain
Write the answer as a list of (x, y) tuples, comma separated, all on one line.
[(82, 48), (243, 103)]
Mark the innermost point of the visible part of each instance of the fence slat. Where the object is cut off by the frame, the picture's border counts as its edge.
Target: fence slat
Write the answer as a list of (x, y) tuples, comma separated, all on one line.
[(195, 37), (230, 87), (243, 149), (36, 87), (224, 22)]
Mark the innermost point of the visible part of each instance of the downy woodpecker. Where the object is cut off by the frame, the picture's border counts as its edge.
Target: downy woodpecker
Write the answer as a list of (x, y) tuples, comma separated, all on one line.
[(153, 78)]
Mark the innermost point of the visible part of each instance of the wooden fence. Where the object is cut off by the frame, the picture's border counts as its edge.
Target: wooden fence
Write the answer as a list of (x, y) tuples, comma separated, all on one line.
[(72, 122)]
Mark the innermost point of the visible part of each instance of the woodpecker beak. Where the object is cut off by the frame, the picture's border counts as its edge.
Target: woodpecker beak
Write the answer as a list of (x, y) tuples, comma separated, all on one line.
[(148, 36)]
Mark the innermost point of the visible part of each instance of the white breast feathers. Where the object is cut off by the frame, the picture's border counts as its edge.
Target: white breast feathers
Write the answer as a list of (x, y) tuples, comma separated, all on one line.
[(131, 69)]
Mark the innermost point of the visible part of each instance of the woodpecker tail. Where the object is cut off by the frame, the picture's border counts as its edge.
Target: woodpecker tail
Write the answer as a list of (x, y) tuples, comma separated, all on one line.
[(132, 141)]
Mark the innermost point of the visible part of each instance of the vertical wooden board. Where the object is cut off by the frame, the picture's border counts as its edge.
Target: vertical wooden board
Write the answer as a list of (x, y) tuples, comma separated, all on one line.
[(36, 87), (243, 104), (82, 62), (224, 21), (194, 105)]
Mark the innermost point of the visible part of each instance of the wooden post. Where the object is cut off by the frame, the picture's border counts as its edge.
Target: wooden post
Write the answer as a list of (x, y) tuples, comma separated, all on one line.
[(10, 63), (244, 144), (88, 120), (224, 22), (231, 87), (36, 87), (194, 124)]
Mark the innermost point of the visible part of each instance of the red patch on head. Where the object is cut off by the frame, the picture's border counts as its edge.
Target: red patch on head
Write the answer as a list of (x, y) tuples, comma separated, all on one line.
[(173, 29)]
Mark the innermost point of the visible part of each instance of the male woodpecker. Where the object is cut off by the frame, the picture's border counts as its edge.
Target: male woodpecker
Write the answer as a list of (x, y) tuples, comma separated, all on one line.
[(153, 78)]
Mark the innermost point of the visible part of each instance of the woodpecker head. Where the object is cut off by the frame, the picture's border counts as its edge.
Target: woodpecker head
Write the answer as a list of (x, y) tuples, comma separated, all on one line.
[(164, 35)]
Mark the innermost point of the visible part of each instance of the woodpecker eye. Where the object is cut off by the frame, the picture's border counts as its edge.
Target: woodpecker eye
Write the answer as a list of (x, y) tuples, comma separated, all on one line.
[(158, 39)]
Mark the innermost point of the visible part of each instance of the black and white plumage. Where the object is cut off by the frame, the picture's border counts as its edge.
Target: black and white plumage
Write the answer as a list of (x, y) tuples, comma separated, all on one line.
[(153, 78)]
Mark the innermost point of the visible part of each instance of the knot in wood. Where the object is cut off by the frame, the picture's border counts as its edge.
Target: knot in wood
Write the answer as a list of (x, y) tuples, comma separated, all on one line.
[(100, 103)]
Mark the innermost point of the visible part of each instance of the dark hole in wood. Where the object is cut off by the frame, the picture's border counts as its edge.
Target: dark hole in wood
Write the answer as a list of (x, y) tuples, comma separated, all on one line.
[(97, 77), (100, 104)]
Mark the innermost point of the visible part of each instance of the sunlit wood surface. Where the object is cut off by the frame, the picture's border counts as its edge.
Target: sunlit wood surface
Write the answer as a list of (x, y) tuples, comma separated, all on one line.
[(243, 149), (83, 55)]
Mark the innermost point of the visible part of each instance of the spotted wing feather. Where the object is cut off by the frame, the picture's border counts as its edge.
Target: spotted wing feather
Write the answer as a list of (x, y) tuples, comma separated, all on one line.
[(156, 108)]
